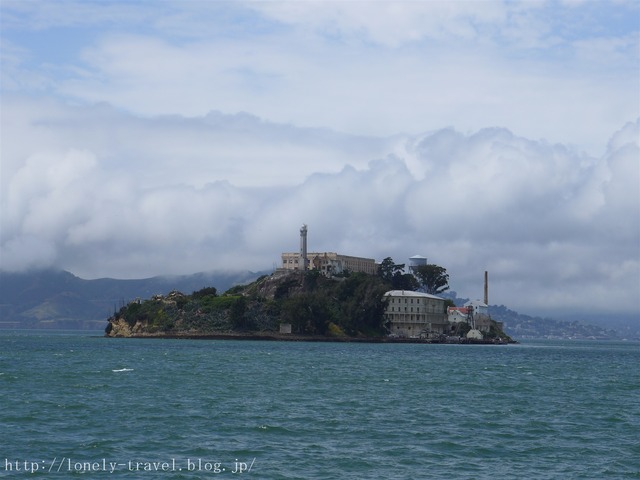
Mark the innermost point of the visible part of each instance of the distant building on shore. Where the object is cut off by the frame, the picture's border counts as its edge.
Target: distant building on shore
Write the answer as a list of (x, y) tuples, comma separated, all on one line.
[(458, 315), (327, 263), (479, 315), (415, 314)]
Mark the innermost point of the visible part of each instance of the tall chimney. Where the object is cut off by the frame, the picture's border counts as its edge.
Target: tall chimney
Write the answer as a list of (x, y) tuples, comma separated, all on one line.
[(303, 248), (486, 288)]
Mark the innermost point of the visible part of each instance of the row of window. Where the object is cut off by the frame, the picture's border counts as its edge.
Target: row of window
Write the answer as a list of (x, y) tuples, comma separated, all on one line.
[(356, 266), (399, 309), (410, 300), (407, 318)]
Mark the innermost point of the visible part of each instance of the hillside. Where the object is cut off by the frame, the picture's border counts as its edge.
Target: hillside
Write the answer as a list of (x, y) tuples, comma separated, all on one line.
[(56, 299), (50, 299), (311, 303), (525, 326), (350, 307), (522, 326)]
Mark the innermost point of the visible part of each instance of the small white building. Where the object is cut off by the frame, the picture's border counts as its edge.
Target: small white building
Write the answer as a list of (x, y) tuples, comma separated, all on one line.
[(457, 314), (480, 312), (475, 334), (479, 307), (415, 314)]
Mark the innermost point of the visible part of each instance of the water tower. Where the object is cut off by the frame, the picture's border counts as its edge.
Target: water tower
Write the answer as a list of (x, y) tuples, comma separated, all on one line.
[(416, 261)]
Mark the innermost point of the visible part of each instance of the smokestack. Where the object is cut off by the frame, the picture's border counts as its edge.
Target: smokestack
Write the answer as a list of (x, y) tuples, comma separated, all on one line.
[(303, 248), (486, 288)]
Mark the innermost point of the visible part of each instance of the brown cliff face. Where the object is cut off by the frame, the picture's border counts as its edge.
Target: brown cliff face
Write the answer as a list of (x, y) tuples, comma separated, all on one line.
[(119, 327)]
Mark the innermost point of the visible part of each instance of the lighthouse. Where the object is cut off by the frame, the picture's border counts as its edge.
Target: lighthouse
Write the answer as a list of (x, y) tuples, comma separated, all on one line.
[(304, 261)]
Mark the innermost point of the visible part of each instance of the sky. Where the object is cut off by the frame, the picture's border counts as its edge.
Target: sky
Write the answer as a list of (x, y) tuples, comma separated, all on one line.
[(143, 138)]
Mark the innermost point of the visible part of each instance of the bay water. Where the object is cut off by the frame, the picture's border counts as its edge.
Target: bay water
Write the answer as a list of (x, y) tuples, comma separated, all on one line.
[(76, 405)]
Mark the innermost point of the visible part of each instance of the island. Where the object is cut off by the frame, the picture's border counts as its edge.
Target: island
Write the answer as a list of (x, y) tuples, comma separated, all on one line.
[(305, 305)]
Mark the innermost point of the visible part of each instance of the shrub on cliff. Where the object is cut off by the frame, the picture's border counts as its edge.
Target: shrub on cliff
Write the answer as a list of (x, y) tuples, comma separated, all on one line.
[(310, 302)]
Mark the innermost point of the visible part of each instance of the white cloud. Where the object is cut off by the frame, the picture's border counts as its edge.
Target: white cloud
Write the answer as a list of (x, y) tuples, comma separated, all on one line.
[(375, 92), (551, 225), (388, 67), (388, 23), (126, 152)]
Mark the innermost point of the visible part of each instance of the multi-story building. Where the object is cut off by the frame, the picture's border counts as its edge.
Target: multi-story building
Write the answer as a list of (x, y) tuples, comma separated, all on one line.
[(330, 263), (415, 314)]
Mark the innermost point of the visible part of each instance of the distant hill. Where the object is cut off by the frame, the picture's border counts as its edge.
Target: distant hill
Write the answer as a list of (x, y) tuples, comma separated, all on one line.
[(525, 326), (521, 326), (56, 299)]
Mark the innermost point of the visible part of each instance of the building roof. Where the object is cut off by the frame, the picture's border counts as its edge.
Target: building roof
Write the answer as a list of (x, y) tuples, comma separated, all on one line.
[(464, 310), (410, 293), (476, 303)]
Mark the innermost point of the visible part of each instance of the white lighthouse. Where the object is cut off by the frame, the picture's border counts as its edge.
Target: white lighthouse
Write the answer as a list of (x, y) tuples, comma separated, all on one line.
[(304, 261)]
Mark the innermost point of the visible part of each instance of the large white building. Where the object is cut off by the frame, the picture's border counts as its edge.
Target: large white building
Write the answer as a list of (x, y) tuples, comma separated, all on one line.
[(329, 263), (415, 314)]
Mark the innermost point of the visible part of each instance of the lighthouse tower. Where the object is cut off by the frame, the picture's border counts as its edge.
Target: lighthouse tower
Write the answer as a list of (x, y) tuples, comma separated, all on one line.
[(304, 261)]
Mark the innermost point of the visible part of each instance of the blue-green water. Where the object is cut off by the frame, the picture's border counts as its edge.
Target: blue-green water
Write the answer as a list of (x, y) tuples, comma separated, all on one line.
[(75, 405)]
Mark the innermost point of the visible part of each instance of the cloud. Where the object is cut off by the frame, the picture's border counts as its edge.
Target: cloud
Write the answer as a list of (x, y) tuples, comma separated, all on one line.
[(563, 73), (389, 23), (376, 92), (115, 198), (141, 139), (96, 179)]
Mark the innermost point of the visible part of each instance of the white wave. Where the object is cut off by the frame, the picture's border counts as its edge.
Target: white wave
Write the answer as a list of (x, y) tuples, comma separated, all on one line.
[(123, 370)]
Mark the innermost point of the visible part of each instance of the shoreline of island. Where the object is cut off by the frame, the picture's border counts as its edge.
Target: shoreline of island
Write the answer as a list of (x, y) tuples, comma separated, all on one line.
[(276, 337)]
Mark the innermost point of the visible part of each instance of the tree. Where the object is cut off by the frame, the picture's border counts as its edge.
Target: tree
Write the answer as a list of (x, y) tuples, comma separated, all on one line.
[(405, 281), (432, 279), (237, 314), (393, 274), (203, 292), (360, 304), (388, 269)]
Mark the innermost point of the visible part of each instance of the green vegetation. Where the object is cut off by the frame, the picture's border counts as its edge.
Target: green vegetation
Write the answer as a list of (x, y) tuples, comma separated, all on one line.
[(393, 274), (496, 333), (432, 279), (351, 305)]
